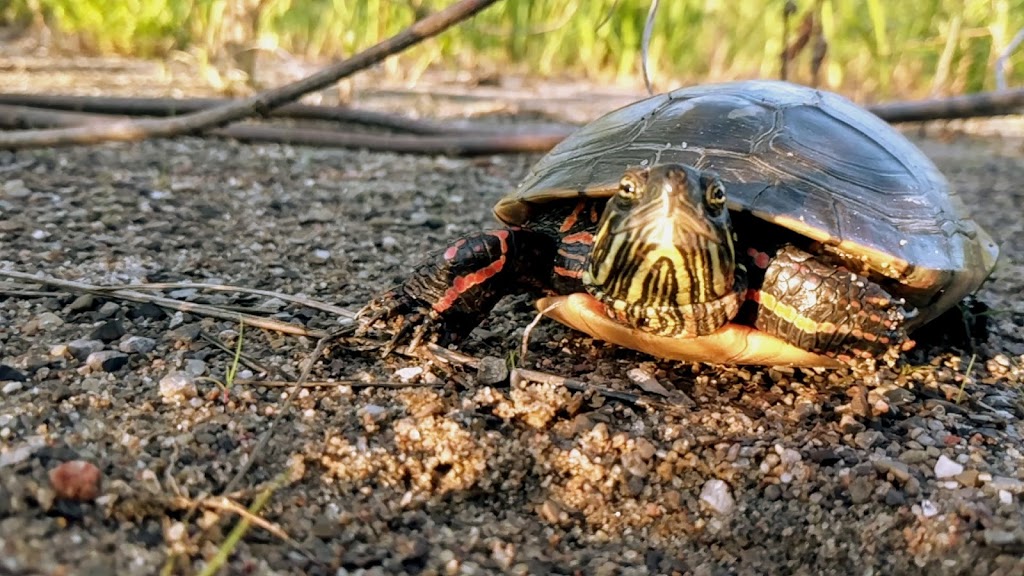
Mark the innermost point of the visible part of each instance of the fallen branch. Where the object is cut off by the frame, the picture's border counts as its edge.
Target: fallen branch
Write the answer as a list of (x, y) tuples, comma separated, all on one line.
[(258, 104), (164, 107), (468, 144), (954, 108)]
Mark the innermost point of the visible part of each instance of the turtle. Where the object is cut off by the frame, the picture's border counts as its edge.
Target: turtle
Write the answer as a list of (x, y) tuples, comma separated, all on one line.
[(749, 222)]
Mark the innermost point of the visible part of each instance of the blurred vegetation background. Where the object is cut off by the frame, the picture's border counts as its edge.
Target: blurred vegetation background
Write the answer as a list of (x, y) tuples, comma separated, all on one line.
[(875, 49)]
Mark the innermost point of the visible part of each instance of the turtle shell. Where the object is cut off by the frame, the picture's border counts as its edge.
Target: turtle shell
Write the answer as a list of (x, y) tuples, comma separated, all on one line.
[(805, 159)]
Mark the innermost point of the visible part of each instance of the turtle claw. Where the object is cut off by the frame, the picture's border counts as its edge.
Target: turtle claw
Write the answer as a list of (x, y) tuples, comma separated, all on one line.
[(394, 313)]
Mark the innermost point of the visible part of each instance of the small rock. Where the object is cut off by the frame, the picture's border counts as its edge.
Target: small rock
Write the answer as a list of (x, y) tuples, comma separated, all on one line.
[(388, 243), (895, 497), (492, 371), (913, 456), (717, 495), (183, 293), (146, 310), (1011, 485), (108, 309), (868, 438), (772, 492), (860, 489), (850, 425), (646, 381), (108, 331), (8, 374), (274, 303), (81, 348), (195, 367), (16, 189), (177, 386), (185, 333), (407, 374), (81, 304), (899, 470), (928, 509), (106, 360), (968, 478), (47, 320), (1005, 497), (137, 345), (76, 480), (994, 537), (946, 468), (12, 387), (320, 255)]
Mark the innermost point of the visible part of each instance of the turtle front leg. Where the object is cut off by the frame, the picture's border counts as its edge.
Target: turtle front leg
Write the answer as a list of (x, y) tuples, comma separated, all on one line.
[(825, 308), (452, 290)]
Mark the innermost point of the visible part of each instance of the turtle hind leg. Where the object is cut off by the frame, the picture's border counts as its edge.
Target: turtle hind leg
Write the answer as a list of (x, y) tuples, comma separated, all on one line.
[(827, 309), (453, 289)]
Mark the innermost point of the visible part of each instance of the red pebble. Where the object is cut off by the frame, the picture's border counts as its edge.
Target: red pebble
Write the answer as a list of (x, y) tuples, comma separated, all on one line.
[(76, 480)]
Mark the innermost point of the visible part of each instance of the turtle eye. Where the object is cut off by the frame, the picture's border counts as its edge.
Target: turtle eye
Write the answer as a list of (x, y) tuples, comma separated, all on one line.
[(714, 195), (629, 188)]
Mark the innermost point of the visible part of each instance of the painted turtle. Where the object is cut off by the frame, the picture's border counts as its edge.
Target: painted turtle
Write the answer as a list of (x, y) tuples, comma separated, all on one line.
[(756, 222)]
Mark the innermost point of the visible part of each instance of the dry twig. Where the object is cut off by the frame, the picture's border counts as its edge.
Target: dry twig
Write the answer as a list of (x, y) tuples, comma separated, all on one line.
[(200, 309), (258, 104)]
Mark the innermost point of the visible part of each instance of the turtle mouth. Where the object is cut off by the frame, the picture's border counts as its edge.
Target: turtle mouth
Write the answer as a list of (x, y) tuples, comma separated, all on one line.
[(674, 320)]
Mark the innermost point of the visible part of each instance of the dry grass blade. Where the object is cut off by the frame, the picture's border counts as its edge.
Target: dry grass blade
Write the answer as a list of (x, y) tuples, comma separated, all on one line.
[(200, 309), (334, 384), (258, 104)]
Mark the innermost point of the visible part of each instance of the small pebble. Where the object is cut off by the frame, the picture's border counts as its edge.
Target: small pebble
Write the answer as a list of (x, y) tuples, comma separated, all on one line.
[(76, 480), (646, 381), (81, 348), (928, 509), (108, 309), (717, 495), (408, 373), (106, 360), (80, 304), (137, 345), (946, 468), (899, 470), (321, 255), (12, 387), (861, 489), (1011, 485), (177, 386), (492, 371), (1005, 497), (108, 331), (195, 367)]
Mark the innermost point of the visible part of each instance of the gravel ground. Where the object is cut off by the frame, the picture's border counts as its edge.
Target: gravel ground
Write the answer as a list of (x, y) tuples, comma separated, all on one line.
[(116, 440)]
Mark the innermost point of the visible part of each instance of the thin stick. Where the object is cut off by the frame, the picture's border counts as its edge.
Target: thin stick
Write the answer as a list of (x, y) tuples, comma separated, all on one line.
[(310, 303), (258, 104), (268, 434), (956, 107), (1001, 61), (201, 309)]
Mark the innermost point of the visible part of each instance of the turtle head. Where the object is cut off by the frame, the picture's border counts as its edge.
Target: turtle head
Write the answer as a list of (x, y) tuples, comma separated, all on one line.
[(663, 259)]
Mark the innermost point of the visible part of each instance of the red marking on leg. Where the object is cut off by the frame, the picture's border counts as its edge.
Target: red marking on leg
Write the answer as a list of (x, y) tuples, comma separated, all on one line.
[(570, 256), (754, 295), (579, 238), (570, 221), (460, 284), (454, 249), (760, 259), (594, 214), (568, 273)]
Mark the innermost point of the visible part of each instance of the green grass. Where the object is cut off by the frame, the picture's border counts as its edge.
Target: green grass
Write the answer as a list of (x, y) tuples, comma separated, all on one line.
[(876, 48)]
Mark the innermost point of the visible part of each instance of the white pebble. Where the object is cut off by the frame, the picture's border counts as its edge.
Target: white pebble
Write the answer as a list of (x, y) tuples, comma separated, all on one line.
[(717, 496), (946, 468), (407, 374), (12, 387), (1005, 497), (928, 509)]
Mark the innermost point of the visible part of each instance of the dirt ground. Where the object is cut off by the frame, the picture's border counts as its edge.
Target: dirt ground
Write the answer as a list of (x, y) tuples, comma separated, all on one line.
[(398, 466)]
